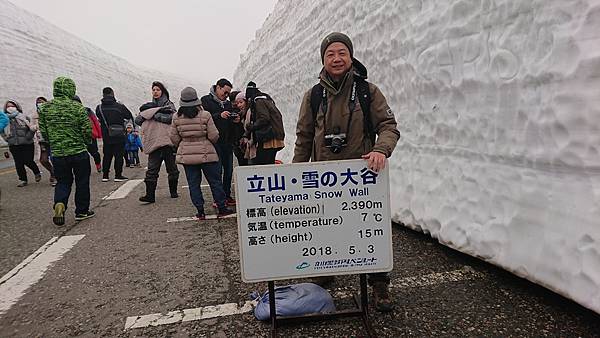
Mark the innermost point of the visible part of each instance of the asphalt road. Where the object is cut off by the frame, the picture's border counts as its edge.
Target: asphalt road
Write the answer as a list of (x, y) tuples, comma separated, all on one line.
[(131, 262)]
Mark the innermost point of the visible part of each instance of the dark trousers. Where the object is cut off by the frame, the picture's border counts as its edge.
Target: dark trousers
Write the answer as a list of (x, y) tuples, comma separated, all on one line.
[(264, 156), (23, 156), (133, 157), (155, 160), (379, 277), (117, 151), (225, 152), (45, 157), (212, 171), (93, 150), (239, 154), (67, 169)]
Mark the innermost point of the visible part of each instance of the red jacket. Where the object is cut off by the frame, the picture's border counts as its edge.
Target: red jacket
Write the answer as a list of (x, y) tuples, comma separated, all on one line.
[(96, 129)]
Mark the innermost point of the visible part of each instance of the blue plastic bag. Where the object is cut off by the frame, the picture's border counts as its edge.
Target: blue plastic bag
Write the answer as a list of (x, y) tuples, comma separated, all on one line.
[(294, 300)]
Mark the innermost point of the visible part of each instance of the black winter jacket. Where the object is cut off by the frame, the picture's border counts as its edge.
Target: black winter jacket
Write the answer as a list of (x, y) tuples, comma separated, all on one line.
[(112, 112), (226, 127)]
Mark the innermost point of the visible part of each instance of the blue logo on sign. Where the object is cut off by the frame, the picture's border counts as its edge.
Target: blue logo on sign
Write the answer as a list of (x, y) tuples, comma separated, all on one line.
[(303, 265)]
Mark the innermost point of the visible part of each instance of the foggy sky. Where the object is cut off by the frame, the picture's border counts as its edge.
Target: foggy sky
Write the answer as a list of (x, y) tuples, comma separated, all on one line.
[(196, 39)]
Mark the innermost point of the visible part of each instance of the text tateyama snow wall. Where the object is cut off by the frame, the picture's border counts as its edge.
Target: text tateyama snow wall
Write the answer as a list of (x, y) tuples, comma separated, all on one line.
[(33, 52), (498, 104)]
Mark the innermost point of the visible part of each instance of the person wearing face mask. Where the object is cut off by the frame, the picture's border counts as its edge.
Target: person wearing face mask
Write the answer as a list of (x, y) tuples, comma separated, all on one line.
[(19, 134), (155, 120), (44, 146)]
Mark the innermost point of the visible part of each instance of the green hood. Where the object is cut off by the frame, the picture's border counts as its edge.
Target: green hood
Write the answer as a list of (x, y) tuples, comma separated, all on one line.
[(64, 87)]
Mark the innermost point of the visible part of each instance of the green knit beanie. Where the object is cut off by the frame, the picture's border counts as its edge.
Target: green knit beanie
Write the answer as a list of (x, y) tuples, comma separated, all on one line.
[(336, 37)]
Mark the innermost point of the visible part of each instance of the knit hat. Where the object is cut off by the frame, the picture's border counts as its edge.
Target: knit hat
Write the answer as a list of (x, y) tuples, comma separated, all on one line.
[(336, 37), (189, 98), (251, 90), (240, 96)]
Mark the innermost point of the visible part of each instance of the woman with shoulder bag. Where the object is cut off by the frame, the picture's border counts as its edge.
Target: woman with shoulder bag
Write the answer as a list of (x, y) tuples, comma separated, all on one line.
[(266, 125), (193, 133), (19, 134)]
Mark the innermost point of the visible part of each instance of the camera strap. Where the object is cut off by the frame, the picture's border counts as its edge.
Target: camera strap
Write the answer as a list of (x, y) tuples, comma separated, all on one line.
[(351, 106)]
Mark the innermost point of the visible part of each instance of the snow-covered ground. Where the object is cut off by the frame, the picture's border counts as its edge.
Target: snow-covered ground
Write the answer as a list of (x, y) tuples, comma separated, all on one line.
[(498, 103), (33, 52)]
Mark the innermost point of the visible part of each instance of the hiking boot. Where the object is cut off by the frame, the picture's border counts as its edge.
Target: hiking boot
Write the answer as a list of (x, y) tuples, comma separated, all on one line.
[(120, 178), (150, 193), (22, 184), (52, 181), (381, 297), (59, 214), (173, 188), (38, 177), (99, 167), (85, 215), (225, 212), (230, 202), (323, 281)]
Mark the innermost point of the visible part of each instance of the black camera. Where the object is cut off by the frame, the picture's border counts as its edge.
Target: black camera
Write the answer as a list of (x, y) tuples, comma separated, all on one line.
[(336, 141), (233, 116)]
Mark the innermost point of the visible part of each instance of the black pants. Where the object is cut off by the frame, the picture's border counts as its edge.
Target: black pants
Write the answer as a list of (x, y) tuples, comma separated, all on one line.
[(23, 156), (93, 150), (155, 160), (67, 168), (117, 151), (239, 154), (264, 156)]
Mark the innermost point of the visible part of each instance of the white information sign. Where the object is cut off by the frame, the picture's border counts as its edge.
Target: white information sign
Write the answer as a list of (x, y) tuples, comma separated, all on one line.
[(313, 219)]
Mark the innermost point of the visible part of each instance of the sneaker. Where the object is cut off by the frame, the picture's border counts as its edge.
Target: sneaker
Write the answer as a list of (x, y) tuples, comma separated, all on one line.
[(105, 178), (38, 177), (99, 167), (22, 184), (120, 178), (381, 297), (147, 199), (225, 212), (52, 181), (230, 202), (59, 214), (85, 215), (201, 217)]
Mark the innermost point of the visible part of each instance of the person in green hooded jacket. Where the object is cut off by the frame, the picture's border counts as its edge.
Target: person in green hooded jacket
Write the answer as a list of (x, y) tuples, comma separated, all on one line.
[(65, 125)]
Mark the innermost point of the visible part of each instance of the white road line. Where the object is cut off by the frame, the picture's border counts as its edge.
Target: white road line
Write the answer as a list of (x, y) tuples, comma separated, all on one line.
[(15, 283), (188, 315), (466, 273), (189, 219), (123, 190)]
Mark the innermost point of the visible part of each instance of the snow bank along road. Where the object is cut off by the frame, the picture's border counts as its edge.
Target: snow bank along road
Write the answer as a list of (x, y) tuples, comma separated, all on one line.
[(138, 270)]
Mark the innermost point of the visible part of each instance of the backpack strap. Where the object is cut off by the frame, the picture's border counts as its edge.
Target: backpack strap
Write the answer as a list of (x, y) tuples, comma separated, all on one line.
[(364, 98), (316, 97)]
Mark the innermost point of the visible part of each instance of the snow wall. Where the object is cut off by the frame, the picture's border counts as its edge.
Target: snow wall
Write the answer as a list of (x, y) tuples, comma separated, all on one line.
[(33, 52), (498, 104)]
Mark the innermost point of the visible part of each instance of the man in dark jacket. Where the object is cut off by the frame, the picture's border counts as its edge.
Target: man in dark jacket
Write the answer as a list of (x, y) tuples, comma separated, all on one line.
[(339, 79), (111, 113), (218, 105)]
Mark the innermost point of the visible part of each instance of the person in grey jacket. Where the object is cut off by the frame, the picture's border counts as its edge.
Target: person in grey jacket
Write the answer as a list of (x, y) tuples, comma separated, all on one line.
[(19, 134)]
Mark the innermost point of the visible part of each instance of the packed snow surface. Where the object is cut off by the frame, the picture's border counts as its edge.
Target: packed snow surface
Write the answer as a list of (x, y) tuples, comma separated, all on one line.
[(498, 104), (34, 52)]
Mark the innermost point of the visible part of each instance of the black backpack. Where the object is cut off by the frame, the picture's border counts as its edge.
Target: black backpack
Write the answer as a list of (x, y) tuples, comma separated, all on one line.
[(364, 98)]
